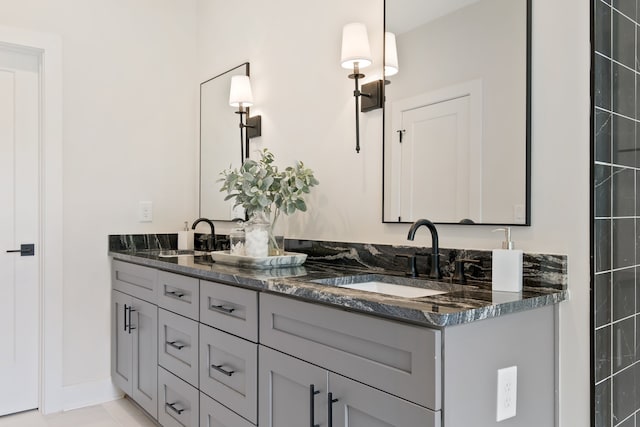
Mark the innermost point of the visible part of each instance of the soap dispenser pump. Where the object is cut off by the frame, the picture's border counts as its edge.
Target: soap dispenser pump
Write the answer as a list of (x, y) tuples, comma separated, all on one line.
[(186, 238), (506, 265)]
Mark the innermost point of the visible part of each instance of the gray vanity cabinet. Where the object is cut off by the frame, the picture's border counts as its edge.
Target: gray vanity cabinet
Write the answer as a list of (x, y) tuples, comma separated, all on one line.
[(134, 356)]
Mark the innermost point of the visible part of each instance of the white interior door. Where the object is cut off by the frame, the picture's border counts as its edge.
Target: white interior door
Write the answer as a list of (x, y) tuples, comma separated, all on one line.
[(19, 301), (436, 178)]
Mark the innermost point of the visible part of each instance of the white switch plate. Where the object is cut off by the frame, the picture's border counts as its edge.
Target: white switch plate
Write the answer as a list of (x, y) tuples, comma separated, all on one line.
[(145, 212), (518, 213), (507, 393)]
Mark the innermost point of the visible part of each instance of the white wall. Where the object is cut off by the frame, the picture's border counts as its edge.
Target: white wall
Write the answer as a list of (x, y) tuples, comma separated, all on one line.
[(129, 129), (306, 105)]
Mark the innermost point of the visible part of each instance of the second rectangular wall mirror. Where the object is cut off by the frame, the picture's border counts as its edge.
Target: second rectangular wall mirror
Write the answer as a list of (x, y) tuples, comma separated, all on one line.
[(457, 112), (221, 145)]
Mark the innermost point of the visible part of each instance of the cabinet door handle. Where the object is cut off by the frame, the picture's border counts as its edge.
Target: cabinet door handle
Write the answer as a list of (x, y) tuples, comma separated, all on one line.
[(331, 401), (222, 309), (176, 345), (222, 371), (125, 317), (173, 408), (130, 309), (312, 405), (175, 294)]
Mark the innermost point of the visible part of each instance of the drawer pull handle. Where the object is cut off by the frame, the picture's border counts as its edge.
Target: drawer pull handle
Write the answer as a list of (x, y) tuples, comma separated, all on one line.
[(173, 408), (222, 371), (312, 405), (176, 345), (175, 294), (222, 309), (330, 408)]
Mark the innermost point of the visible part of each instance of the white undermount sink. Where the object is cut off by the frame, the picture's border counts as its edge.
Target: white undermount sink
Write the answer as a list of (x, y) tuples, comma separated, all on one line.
[(391, 289), (387, 285), (180, 253)]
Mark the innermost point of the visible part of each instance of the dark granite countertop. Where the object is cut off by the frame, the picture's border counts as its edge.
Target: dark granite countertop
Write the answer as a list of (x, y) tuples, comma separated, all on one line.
[(461, 304)]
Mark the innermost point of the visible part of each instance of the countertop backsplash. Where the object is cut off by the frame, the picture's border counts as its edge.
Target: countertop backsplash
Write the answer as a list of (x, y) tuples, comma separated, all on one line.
[(539, 270)]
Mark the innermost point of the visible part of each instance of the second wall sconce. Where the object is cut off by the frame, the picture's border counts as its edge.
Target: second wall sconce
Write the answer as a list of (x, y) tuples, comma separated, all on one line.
[(241, 97), (356, 54)]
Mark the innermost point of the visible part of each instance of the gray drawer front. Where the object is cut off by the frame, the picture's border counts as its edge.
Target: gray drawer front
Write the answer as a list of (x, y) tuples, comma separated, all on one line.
[(178, 294), (401, 359), (134, 280), (178, 345), (229, 371), (232, 309), (178, 402), (213, 414)]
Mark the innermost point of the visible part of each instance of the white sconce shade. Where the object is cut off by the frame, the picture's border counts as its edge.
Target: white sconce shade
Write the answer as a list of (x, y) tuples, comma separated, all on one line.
[(390, 54), (240, 94), (355, 46)]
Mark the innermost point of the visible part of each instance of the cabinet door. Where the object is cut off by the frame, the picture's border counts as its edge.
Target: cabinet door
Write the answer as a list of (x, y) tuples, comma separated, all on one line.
[(144, 324), (293, 393), (121, 339), (357, 405)]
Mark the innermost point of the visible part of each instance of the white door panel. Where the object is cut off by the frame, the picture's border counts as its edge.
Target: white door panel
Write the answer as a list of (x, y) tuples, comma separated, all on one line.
[(19, 304)]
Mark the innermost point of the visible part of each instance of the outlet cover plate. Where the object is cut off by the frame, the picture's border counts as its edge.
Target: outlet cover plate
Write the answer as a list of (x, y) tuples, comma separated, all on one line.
[(507, 393)]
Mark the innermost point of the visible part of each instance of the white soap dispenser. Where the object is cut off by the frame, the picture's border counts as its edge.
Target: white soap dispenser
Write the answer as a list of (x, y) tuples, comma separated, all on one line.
[(506, 266), (186, 238)]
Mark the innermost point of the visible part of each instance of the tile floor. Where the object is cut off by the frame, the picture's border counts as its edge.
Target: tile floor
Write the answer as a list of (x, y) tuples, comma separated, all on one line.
[(119, 413)]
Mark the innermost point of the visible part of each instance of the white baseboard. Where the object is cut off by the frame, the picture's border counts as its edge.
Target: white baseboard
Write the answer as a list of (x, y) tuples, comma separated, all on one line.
[(88, 394)]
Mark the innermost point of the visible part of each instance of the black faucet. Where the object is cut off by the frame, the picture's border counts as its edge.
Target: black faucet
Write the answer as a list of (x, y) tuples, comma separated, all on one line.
[(210, 243), (435, 251)]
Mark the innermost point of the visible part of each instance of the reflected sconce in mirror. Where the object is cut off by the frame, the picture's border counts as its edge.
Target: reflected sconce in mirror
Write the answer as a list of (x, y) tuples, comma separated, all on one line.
[(356, 54), (390, 55), (241, 97)]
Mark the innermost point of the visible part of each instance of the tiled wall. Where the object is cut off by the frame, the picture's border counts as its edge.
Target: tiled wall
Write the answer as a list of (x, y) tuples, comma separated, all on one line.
[(616, 299)]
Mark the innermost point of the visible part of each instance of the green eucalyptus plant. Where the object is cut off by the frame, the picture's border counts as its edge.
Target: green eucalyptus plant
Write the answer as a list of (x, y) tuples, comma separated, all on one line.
[(258, 186)]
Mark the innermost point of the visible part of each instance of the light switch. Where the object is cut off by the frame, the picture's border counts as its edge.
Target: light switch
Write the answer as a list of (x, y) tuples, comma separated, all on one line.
[(145, 212)]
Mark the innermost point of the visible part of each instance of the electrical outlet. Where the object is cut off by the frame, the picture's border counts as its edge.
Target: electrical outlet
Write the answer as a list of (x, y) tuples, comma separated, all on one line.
[(145, 212), (507, 393)]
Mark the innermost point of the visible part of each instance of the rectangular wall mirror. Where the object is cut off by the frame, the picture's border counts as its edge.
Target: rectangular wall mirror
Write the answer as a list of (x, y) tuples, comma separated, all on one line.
[(457, 112), (221, 143)]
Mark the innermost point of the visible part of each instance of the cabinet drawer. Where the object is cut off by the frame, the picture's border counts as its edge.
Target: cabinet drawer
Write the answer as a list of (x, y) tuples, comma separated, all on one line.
[(178, 402), (401, 359), (233, 309), (213, 414), (178, 345), (228, 371), (134, 280), (178, 294)]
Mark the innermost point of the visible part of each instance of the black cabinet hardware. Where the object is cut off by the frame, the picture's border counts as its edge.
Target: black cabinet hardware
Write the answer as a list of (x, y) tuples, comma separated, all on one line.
[(222, 309), (173, 408), (222, 371), (176, 345), (312, 405), (25, 250)]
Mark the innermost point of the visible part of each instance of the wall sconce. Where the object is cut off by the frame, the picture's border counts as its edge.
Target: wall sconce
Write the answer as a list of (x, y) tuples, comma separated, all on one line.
[(356, 54), (390, 54), (241, 97)]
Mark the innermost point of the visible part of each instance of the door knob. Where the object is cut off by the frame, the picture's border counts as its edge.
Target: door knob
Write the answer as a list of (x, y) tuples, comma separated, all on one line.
[(25, 250)]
